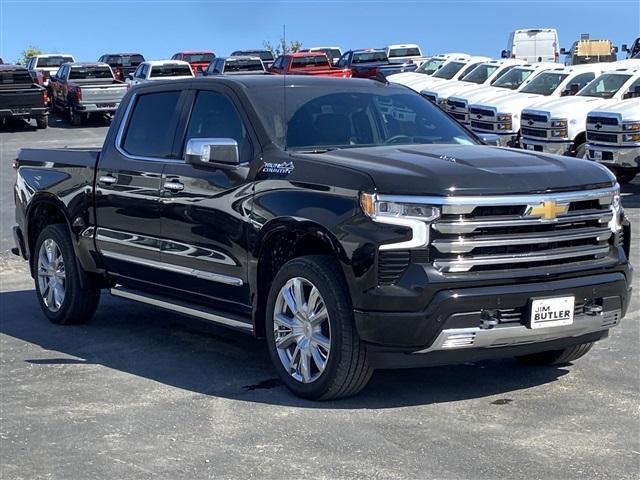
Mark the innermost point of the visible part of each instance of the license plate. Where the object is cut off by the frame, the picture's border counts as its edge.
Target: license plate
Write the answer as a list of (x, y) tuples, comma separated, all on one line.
[(597, 155), (530, 147), (552, 312)]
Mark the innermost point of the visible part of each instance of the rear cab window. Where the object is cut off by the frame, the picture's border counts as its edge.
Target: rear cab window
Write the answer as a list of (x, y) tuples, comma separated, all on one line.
[(170, 71), (15, 77), (90, 72), (310, 61), (52, 62)]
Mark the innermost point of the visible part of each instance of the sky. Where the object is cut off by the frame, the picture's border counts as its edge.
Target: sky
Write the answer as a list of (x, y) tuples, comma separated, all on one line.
[(159, 28)]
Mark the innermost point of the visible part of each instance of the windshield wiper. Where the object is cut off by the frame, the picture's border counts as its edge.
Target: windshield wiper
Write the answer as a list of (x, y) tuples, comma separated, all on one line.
[(316, 150)]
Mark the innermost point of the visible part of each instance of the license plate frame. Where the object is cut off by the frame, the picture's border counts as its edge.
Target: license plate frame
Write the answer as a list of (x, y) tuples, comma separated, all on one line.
[(553, 315)]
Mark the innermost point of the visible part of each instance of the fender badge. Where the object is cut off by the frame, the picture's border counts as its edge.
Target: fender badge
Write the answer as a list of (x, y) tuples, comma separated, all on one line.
[(282, 168)]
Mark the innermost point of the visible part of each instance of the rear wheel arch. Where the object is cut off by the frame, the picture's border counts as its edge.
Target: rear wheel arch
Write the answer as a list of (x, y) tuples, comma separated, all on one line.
[(43, 212), (279, 244)]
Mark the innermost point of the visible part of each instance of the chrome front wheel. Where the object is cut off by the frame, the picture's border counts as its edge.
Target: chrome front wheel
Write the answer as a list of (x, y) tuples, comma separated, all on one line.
[(52, 279), (301, 329)]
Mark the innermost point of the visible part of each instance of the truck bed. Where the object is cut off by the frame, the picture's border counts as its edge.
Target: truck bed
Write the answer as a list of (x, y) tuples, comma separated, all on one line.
[(60, 158), (20, 97)]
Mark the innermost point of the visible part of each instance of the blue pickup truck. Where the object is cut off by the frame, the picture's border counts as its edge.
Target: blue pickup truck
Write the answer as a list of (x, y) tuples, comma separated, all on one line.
[(371, 62)]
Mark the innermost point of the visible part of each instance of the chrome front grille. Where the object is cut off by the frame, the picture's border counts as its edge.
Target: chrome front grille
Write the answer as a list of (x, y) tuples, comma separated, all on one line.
[(604, 130), (503, 233), (458, 109)]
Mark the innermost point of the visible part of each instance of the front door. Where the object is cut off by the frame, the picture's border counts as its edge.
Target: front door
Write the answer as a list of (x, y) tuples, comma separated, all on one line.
[(129, 185), (204, 225)]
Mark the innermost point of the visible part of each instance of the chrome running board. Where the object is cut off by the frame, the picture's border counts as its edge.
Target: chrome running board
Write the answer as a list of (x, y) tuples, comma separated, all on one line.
[(175, 306)]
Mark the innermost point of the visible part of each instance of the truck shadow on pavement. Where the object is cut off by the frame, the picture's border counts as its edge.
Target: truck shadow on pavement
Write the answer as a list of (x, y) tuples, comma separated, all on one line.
[(188, 354)]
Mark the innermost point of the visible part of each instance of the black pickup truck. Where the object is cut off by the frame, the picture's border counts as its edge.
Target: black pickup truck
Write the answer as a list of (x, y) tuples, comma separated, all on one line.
[(21, 97), (355, 226), (369, 63)]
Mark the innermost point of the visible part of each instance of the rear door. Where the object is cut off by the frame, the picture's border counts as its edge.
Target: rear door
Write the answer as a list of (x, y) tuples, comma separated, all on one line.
[(129, 183), (204, 225)]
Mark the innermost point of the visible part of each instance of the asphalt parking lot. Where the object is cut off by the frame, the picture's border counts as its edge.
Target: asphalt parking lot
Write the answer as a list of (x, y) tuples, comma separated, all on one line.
[(143, 393)]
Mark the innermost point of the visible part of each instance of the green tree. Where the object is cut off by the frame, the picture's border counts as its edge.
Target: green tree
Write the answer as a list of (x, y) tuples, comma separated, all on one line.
[(27, 53), (282, 46)]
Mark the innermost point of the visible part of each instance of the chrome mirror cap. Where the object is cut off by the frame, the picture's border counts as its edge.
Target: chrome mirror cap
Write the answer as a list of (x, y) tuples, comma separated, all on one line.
[(205, 151)]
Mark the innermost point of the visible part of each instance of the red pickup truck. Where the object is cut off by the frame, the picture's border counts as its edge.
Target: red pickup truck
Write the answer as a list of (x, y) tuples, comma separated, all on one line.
[(307, 63), (199, 61)]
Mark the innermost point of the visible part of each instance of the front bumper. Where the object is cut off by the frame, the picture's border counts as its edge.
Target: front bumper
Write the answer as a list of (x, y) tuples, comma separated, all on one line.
[(452, 322), (558, 148), (614, 156)]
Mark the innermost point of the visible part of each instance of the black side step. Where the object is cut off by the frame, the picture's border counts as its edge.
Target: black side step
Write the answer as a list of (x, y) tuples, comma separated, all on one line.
[(186, 309)]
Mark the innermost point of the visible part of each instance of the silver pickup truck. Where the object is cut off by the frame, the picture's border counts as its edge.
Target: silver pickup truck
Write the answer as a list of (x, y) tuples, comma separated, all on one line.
[(82, 89)]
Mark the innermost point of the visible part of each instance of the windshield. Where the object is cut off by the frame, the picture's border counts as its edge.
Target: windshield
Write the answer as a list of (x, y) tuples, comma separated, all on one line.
[(328, 116), (47, 62), (170, 71), (545, 84), (430, 66), (449, 70), (198, 57), (86, 73), (310, 61), (513, 79), (124, 60), (404, 52), (369, 57), (605, 86), (480, 73), (243, 66)]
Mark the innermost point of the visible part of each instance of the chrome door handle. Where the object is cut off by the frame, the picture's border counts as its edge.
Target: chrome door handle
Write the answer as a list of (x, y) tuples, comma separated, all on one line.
[(174, 186), (107, 179)]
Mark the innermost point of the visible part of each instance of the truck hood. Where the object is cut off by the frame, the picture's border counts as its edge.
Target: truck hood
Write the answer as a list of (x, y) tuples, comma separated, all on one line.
[(484, 94), (570, 107), (626, 110), (443, 170), (425, 82), (452, 88), (403, 77)]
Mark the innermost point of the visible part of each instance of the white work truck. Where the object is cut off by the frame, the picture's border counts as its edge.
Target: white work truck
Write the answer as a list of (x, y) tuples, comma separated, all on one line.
[(428, 67), (405, 53), (559, 125), (501, 116), (483, 75), (613, 138), (451, 71), (516, 78)]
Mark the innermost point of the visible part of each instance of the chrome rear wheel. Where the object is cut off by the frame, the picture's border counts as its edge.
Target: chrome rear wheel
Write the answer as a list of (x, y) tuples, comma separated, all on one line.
[(52, 279)]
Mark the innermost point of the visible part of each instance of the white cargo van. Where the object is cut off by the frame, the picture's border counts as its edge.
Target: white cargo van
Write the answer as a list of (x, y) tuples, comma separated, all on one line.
[(533, 45)]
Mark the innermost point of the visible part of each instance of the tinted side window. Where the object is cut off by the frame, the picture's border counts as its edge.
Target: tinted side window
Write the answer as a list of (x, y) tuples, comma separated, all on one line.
[(151, 126), (214, 116), (583, 79)]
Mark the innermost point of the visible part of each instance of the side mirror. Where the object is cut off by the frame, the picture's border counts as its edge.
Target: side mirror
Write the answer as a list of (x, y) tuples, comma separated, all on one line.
[(615, 49), (504, 54), (563, 51), (212, 151), (574, 88), (130, 76), (625, 48), (490, 139)]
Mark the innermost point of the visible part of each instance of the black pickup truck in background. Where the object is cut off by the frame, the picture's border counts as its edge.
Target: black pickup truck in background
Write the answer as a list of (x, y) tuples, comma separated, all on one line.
[(354, 225), (21, 97), (369, 63)]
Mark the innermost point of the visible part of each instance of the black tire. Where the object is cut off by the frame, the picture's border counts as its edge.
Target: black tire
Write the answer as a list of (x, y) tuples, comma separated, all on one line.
[(625, 176), (42, 122), (347, 370), (557, 357), (75, 117), (81, 296)]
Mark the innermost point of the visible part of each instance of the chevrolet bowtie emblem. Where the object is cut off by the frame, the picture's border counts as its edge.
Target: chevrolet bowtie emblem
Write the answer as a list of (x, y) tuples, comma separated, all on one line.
[(598, 126), (547, 210), (530, 122)]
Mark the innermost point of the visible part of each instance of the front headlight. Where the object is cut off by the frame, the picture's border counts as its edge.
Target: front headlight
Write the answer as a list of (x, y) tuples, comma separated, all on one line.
[(415, 216), (503, 117), (559, 123), (616, 209), (562, 133), (631, 137), (505, 126), (635, 126)]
